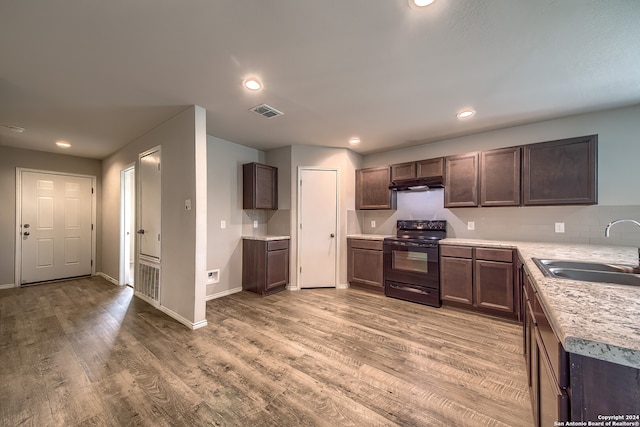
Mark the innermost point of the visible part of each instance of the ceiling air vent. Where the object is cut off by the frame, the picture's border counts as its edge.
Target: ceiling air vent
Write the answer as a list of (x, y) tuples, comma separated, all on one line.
[(266, 111)]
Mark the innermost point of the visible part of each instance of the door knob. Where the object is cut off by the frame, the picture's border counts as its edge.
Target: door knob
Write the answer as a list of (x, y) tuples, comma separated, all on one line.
[(332, 235), (26, 233), (141, 231)]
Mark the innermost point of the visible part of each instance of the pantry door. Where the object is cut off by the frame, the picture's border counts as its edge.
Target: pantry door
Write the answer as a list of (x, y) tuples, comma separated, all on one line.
[(55, 224), (317, 227)]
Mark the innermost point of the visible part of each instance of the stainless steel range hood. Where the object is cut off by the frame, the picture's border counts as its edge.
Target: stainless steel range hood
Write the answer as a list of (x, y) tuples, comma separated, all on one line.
[(417, 184)]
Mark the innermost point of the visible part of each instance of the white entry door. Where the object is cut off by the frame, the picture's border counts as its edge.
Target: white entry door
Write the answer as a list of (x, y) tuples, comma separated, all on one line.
[(318, 227), (55, 226)]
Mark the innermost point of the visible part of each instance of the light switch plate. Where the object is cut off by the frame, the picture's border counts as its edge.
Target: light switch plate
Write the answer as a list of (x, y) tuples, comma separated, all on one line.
[(559, 227), (223, 224), (471, 225), (255, 224), (373, 224)]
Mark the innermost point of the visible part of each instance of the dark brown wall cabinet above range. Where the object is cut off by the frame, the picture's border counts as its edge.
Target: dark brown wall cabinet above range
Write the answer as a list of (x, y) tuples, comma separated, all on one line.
[(265, 265), (428, 168), (259, 186), (372, 189), (365, 264), (480, 279), (561, 172)]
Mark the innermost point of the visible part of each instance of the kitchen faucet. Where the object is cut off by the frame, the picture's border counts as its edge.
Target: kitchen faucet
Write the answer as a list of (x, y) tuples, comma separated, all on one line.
[(614, 222)]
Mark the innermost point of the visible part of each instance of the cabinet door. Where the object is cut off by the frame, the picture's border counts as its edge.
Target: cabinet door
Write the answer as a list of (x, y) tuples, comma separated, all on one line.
[(461, 181), (402, 171), (430, 168), (494, 285), (372, 189), (560, 172), (456, 280), (259, 186), (365, 267), (277, 268), (553, 403), (500, 177)]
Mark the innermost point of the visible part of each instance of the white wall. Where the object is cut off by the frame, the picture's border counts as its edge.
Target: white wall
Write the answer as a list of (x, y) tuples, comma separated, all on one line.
[(12, 158), (224, 176), (184, 243), (618, 177)]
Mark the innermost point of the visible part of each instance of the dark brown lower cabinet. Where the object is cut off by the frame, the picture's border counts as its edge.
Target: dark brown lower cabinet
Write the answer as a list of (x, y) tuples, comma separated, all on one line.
[(480, 279), (365, 264), (265, 265)]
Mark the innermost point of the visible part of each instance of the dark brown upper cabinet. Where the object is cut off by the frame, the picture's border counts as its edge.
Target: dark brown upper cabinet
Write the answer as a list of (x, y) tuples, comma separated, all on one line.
[(560, 172), (500, 177), (461, 180), (259, 186), (428, 168), (372, 189)]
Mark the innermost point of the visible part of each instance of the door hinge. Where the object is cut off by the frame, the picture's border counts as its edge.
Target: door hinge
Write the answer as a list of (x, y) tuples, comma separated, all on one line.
[(300, 183), (158, 166), (300, 269), (91, 263), (300, 226), (91, 227), (158, 237), (91, 190)]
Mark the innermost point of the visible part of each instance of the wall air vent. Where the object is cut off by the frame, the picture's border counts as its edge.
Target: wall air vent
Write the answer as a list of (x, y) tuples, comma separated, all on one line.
[(266, 111)]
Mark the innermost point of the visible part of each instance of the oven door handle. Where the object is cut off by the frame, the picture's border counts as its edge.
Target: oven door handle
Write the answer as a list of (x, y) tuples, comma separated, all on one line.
[(417, 290)]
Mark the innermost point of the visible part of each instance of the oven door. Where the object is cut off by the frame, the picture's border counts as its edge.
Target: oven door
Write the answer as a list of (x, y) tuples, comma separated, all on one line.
[(411, 272), (412, 263)]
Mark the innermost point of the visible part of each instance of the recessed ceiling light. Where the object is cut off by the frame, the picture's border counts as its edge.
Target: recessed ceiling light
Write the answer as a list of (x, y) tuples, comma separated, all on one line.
[(419, 3), (63, 144), (252, 84), (354, 141), (465, 114)]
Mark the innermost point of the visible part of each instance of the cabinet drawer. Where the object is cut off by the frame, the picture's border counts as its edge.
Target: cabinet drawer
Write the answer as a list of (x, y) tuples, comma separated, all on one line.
[(375, 245), (274, 245), (456, 251), (491, 254)]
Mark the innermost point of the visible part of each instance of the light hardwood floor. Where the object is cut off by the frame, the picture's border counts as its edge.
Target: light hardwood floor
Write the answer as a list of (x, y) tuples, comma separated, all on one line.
[(85, 352)]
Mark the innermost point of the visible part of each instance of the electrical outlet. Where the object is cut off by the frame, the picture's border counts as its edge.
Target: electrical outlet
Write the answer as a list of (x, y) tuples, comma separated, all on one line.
[(223, 224), (213, 276), (559, 227), (255, 224), (471, 225), (373, 224)]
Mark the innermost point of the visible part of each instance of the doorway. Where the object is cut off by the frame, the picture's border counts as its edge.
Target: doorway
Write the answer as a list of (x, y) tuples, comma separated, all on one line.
[(55, 217), (317, 227), (127, 225)]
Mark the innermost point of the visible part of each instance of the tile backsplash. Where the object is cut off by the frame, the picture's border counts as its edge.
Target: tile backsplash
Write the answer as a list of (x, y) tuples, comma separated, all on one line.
[(582, 224)]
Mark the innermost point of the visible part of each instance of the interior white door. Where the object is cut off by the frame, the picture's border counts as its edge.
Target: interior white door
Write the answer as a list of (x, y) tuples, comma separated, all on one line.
[(55, 226), (149, 206), (317, 231)]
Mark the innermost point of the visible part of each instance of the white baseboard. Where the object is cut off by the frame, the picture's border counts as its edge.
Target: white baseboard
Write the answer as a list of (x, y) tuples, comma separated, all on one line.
[(292, 288), (8, 286), (183, 320), (108, 278), (223, 293), (342, 286)]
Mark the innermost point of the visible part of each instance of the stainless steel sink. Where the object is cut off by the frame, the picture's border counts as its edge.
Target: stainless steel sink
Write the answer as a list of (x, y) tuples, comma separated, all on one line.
[(590, 271)]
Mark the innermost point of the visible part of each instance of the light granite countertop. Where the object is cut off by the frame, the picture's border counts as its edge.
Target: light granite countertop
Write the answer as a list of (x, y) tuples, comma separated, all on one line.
[(598, 320), (266, 238), (368, 236)]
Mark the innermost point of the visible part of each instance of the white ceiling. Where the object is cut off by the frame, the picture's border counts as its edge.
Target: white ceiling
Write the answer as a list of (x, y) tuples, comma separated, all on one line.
[(101, 73)]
